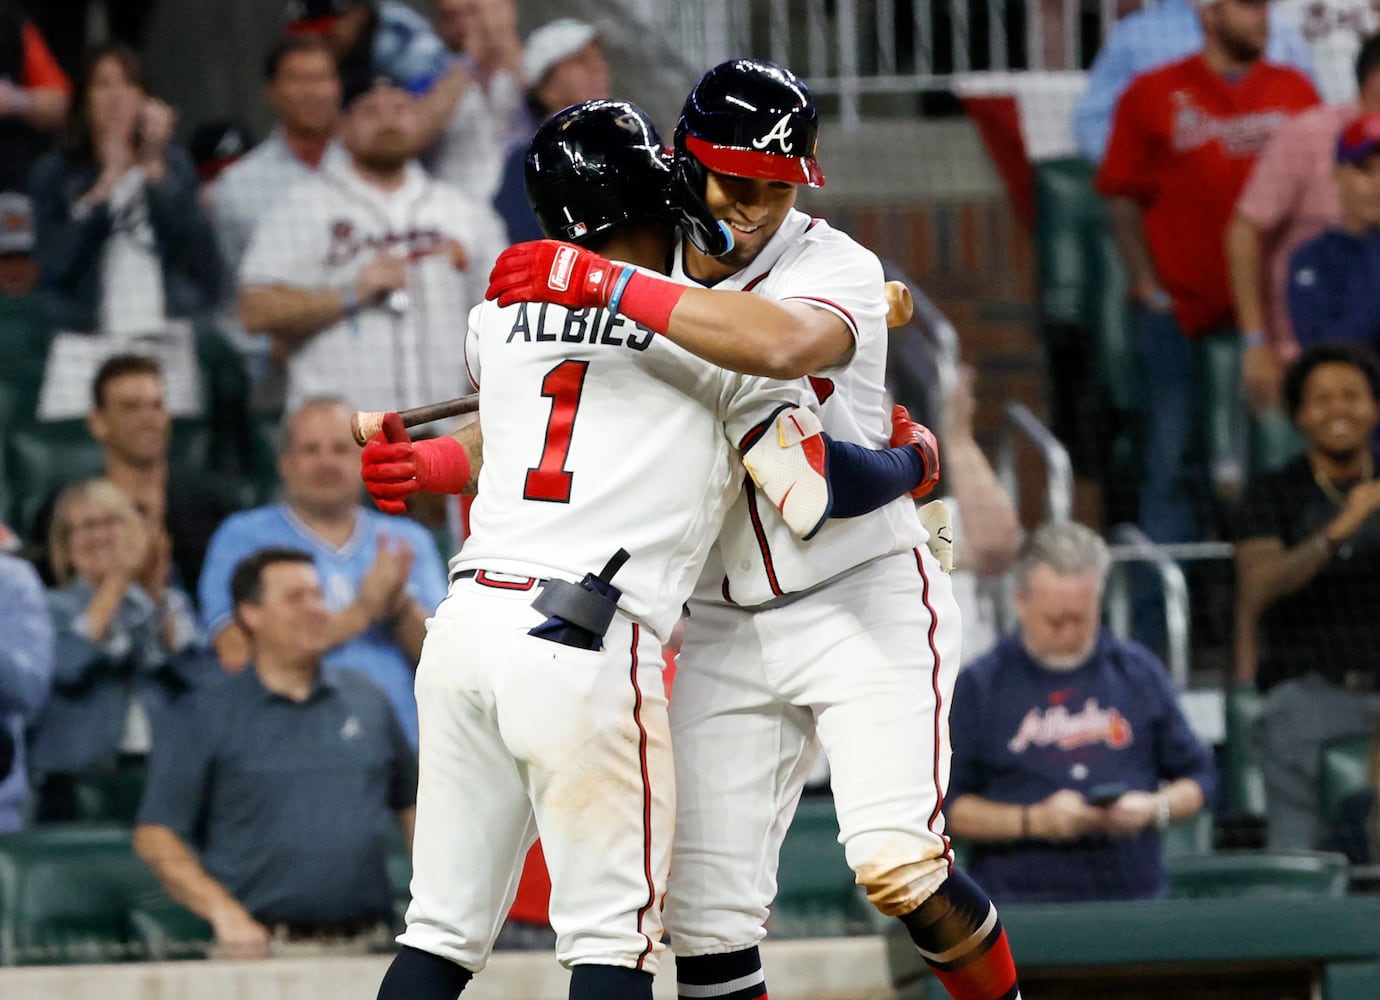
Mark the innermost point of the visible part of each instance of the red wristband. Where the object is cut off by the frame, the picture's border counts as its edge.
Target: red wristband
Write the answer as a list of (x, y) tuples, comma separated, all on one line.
[(442, 465), (648, 301)]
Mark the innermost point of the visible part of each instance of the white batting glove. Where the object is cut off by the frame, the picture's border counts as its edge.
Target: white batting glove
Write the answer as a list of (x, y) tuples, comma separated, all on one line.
[(936, 519), (789, 464)]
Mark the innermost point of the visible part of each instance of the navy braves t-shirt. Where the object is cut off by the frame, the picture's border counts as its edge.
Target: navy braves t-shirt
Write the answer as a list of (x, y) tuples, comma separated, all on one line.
[(1021, 732)]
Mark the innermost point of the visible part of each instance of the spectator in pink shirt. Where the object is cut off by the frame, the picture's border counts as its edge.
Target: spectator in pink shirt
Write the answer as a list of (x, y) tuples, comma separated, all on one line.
[(1291, 197)]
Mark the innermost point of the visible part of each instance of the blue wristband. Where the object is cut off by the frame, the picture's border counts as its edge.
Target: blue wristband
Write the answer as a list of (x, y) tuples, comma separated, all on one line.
[(618, 288)]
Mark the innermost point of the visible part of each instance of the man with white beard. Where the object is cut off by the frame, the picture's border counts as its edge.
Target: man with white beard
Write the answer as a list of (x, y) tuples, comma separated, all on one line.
[(1071, 753)]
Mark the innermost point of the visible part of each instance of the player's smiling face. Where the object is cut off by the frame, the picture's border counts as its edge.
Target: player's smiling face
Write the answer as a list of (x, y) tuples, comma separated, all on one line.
[(752, 208)]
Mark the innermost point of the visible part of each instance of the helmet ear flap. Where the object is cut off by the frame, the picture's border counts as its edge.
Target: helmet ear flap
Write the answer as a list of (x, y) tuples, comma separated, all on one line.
[(708, 235)]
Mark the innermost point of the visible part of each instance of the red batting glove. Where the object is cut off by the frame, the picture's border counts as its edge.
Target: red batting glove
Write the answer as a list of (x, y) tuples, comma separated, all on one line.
[(905, 431), (550, 271), (394, 466)]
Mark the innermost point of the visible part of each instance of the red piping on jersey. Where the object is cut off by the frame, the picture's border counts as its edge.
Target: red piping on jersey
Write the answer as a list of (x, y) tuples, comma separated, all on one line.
[(938, 707), (728, 598), (756, 281), (813, 223), (646, 801), (832, 305), (484, 580), (762, 545)]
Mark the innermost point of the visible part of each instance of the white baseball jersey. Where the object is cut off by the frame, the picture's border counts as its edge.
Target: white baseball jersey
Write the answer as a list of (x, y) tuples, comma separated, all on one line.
[(758, 558), (325, 230), (598, 434)]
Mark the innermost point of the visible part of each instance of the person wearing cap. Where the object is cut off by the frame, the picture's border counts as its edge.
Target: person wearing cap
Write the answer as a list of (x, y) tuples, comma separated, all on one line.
[(1334, 278), (477, 106), (563, 62), (1184, 140), (360, 272), (384, 38), (1290, 198)]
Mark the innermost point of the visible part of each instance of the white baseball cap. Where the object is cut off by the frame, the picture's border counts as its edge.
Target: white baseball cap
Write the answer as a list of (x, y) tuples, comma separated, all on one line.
[(552, 43)]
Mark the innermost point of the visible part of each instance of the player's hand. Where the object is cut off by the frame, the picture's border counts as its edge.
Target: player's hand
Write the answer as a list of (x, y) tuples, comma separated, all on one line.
[(1065, 815), (388, 466), (384, 274), (155, 128), (394, 466), (1131, 813), (905, 431), (551, 271)]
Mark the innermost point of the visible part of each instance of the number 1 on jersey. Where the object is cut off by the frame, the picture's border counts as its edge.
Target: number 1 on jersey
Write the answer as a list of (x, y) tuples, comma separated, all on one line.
[(549, 480)]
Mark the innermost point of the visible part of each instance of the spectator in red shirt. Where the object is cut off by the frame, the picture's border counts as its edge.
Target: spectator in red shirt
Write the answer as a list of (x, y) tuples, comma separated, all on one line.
[(1184, 139)]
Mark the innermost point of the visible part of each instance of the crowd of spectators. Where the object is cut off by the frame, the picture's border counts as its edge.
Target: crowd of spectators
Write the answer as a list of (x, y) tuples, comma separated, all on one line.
[(185, 632)]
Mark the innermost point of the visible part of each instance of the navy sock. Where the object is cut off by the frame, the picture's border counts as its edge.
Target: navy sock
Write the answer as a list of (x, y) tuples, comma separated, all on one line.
[(962, 941), (609, 982), (735, 975), (420, 975)]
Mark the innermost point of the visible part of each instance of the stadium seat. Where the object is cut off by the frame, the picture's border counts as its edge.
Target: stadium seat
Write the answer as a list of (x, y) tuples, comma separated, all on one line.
[(67, 894), (1345, 767), (1245, 783), (816, 895), (41, 457), (1225, 424), (1257, 873), (399, 873), (1189, 836)]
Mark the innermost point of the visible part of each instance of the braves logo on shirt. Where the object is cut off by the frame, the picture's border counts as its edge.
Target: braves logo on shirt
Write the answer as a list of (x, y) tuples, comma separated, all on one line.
[(1240, 135), (347, 242), (1058, 727)]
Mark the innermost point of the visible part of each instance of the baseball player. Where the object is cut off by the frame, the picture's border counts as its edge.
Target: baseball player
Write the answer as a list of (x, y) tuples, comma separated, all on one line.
[(539, 693), (360, 272), (849, 640)]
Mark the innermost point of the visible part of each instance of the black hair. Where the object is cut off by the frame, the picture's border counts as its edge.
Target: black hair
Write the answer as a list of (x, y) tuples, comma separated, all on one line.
[(290, 45), (247, 582), (1357, 355), (118, 366), (1367, 59)]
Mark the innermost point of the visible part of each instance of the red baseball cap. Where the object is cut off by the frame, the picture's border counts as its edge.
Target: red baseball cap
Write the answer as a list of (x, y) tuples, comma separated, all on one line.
[(1358, 140)]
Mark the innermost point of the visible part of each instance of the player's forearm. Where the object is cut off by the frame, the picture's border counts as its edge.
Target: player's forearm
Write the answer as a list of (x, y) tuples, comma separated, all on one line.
[(750, 333), (352, 620), (1128, 232), (1243, 263), (472, 437), (407, 824), (180, 873), (291, 314), (976, 818), (989, 548)]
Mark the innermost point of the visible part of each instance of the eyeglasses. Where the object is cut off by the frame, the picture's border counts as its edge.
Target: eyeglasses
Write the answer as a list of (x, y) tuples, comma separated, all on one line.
[(94, 523)]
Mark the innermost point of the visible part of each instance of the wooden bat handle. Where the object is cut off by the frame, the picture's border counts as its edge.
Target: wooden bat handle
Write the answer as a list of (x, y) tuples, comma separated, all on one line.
[(899, 304), (365, 425)]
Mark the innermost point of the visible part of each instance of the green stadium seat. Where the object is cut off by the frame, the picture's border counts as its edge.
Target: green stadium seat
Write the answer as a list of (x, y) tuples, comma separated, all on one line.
[(1257, 873), (816, 895), (1245, 783), (399, 873), (110, 796), (1345, 768), (42, 457), (25, 333), (67, 894), (1192, 836), (1225, 422)]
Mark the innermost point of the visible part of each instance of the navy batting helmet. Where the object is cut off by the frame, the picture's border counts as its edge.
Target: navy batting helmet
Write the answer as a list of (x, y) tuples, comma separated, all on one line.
[(747, 118), (594, 165)]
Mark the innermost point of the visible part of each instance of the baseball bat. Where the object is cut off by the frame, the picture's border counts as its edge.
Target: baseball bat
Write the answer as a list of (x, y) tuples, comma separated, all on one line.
[(365, 425), (899, 304)]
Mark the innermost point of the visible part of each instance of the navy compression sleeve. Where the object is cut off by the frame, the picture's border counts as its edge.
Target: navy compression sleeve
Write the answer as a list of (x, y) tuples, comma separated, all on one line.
[(863, 479)]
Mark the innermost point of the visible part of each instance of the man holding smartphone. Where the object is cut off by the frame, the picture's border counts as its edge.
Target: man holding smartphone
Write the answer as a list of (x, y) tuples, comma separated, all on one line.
[(1071, 752)]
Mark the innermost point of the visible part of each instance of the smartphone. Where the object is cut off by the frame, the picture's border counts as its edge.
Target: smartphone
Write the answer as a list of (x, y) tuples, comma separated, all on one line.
[(1106, 794)]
